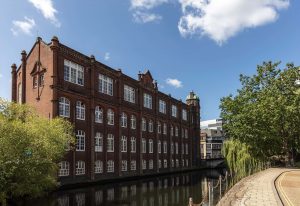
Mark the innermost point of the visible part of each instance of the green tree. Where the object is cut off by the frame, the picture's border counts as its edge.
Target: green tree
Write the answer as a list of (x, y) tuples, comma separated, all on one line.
[(265, 113), (30, 148)]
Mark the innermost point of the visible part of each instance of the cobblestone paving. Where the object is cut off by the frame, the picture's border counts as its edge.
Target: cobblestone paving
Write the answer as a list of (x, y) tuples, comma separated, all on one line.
[(255, 190)]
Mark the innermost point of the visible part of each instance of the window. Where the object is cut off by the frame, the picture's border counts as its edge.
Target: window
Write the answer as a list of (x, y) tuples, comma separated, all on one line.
[(129, 94), (150, 164), (110, 143), (64, 107), (176, 131), (165, 129), (165, 163), (187, 162), (64, 168), (80, 140), (147, 101), (98, 115), (186, 149), (171, 131), (73, 73), (110, 166), (144, 165), (34, 82), (105, 85), (182, 162), (159, 164), (150, 146), (133, 145), (176, 147), (159, 146), (150, 126), (124, 165), (143, 145), (165, 147), (172, 163), (80, 168), (133, 122), (184, 114), (177, 163), (99, 142), (123, 120), (133, 165), (162, 107), (144, 124), (42, 79), (174, 111), (98, 166), (124, 144), (158, 127), (186, 134), (20, 93), (110, 117), (172, 148), (80, 110)]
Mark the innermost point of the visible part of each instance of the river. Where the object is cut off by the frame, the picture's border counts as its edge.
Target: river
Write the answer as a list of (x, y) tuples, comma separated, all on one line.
[(171, 190)]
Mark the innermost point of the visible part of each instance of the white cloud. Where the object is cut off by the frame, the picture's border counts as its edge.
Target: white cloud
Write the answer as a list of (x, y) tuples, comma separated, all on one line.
[(174, 82), (106, 56), (223, 19), (141, 10), (25, 26), (47, 9), (145, 17), (1, 75)]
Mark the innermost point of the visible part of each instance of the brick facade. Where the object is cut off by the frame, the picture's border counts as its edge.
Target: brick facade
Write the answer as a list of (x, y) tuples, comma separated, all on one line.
[(39, 81)]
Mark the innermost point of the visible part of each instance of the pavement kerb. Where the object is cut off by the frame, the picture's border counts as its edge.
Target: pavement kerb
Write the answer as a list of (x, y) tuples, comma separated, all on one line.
[(277, 197)]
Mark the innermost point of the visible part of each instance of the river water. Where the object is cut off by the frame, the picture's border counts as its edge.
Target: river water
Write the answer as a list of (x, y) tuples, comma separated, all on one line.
[(173, 190)]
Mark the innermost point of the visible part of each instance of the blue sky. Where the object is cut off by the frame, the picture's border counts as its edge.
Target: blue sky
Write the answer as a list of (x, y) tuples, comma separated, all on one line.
[(186, 44)]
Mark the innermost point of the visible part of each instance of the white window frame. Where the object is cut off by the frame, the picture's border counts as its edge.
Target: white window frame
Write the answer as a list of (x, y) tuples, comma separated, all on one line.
[(144, 145), (99, 142), (150, 146), (158, 127), (73, 73), (176, 131), (80, 110), (110, 143), (110, 166), (98, 114), (80, 140), (64, 169), (133, 144), (151, 164), (129, 94), (165, 163), (123, 144), (106, 85), (80, 168), (147, 101), (165, 128), (184, 114), (123, 120), (162, 106), (64, 107), (110, 117), (124, 165), (159, 146), (144, 164), (98, 167), (133, 165), (144, 124), (150, 125), (133, 122), (174, 111), (165, 147)]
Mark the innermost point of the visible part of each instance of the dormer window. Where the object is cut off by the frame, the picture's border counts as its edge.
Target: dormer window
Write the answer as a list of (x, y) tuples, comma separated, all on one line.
[(73, 72)]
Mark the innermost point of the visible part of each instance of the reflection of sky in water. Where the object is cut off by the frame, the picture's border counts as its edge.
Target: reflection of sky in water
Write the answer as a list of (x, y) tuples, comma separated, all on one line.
[(173, 190)]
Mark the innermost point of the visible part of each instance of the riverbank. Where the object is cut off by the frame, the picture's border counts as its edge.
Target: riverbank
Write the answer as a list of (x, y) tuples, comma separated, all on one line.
[(257, 189)]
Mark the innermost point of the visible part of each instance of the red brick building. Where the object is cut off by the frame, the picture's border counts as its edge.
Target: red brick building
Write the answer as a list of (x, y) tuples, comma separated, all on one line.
[(123, 126)]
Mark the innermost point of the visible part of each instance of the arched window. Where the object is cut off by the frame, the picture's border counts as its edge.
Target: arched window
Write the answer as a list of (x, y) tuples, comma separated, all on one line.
[(110, 166), (64, 168), (80, 168), (165, 129), (133, 145), (124, 144), (144, 124), (98, 166), (80, 110), (110, 143), (150, 126), (158, 127), (133, 122), (80, 140), (110, 117), (98, 114), (150, 146), (171, 131), (64, 107), (123, 119)]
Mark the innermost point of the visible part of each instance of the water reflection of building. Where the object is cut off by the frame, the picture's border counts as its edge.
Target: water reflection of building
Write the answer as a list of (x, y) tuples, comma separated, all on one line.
[(211, 139), (124, 127)]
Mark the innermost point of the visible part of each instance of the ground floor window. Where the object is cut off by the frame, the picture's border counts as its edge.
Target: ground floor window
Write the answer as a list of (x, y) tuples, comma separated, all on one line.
[(80, 168), (144, 164), (124, 165), (150, 164), (64, 168), (133, 165), (110, 166), (98, 166)]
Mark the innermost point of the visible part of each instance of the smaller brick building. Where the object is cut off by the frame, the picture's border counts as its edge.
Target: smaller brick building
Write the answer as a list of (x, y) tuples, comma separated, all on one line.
[(124, 127)]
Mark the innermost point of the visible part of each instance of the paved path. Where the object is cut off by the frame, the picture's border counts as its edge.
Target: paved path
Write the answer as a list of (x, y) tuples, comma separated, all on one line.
[(288, 186), (255, 190)]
